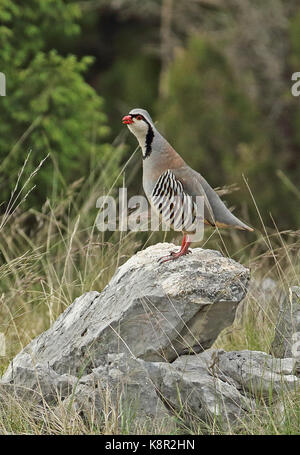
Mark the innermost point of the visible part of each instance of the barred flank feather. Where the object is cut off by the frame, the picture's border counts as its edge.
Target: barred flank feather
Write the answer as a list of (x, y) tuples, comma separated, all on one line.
[(175, 207)]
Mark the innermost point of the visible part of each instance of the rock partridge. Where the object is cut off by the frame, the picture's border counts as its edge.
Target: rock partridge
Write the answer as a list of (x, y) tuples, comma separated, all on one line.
[(167, 179)]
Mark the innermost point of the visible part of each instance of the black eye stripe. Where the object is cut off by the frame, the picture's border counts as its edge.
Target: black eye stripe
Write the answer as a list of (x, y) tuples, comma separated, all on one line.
[(137, 115)]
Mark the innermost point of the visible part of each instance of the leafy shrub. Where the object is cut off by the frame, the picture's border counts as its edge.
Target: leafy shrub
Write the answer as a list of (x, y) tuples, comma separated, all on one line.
[(49, 108)]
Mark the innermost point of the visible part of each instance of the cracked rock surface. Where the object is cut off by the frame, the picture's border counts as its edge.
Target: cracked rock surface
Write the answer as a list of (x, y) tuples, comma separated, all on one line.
[(154, 312), (132, 339)]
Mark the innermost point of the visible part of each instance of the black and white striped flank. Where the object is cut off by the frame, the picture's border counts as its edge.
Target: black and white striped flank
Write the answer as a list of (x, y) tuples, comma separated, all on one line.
[(174, 206)]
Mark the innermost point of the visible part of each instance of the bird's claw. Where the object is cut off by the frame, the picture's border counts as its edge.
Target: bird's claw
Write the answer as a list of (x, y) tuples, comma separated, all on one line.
[(172, 253), (172, 256)]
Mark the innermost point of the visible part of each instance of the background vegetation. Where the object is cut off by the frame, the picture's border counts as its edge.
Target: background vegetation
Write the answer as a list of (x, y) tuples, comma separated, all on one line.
[(216, 76)]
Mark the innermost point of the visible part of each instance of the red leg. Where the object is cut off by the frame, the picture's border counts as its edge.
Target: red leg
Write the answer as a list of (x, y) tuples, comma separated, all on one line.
[(174, 252), (183, 242), (183, 250)]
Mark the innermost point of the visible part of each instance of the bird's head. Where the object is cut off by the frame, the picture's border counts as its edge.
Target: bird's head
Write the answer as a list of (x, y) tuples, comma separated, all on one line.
[(141, 125), (138, 121)]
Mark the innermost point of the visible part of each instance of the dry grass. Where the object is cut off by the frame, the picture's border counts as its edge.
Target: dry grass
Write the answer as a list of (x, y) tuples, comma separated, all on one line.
[(46, 266)]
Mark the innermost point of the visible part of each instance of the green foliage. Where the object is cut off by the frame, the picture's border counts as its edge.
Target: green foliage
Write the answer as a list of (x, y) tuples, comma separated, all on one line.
[(295, 66), (295, 41), (212, 122), (28, 26), (206, 114), (49, 108), (131, 80)]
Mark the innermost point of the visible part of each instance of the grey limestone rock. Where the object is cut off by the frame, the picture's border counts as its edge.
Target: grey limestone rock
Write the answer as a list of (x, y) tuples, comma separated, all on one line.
[(153, 312)]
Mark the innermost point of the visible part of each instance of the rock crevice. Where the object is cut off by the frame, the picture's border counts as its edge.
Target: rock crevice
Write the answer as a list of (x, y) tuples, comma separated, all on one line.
[(133, 338)]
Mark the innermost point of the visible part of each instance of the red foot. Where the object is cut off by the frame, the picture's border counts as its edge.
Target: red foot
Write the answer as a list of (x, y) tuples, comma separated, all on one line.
[(173, 255)]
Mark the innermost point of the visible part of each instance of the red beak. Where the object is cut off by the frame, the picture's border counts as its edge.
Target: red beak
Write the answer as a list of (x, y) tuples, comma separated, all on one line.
[(127, 120)]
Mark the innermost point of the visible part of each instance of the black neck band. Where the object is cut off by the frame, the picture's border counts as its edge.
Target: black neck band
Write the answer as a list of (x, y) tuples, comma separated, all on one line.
[(149, 140)]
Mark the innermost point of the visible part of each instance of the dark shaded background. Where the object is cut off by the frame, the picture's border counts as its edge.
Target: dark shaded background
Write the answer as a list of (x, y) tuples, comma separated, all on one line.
[(215, 75)]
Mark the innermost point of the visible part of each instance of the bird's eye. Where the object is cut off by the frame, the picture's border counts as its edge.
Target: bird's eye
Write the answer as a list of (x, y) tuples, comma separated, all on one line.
[(139, 117)]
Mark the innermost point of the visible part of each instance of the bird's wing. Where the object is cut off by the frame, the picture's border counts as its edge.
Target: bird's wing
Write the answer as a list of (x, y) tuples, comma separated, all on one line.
[(173, 204), (215, 211)]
